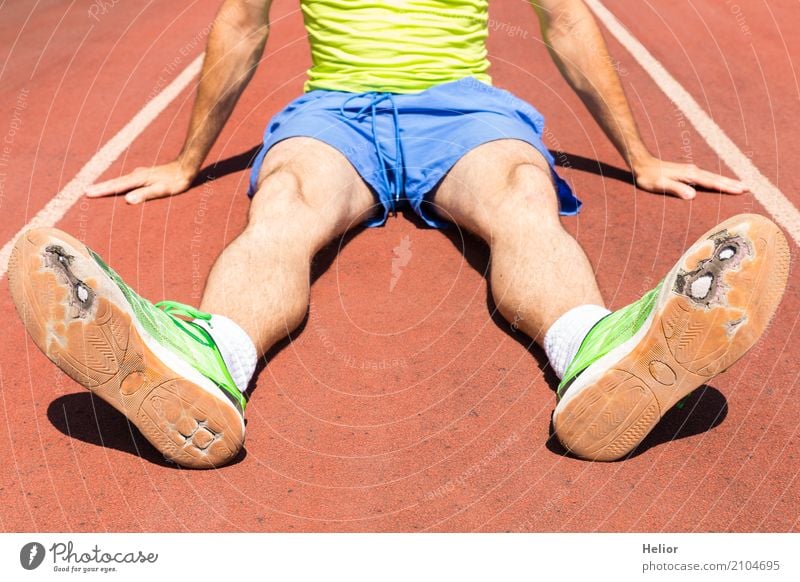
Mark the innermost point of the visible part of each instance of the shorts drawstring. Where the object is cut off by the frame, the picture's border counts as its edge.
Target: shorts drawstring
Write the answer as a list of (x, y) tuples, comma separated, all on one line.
[(397, 164), (439, 126)]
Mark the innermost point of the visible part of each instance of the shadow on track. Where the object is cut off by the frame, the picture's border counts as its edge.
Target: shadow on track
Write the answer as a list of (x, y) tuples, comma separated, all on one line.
[(91, 420), (703, 410)]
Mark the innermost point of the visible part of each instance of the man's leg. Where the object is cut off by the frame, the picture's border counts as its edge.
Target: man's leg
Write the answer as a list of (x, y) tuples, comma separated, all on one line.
[(622, 372), (166, 367), (502, 191), (308, 193)]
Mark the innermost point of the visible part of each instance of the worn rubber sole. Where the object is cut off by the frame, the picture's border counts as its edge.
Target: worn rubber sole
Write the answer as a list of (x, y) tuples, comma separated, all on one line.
[(713, 306), (81, 320)]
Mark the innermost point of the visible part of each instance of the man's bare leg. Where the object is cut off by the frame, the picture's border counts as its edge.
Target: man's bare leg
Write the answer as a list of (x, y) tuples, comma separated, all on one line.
[(308, 194), (159, 370), (710, 310), (502, 191)]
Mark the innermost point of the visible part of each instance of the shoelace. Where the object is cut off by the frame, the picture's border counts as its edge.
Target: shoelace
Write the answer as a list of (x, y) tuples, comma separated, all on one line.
[(398, 166), (176, 309)]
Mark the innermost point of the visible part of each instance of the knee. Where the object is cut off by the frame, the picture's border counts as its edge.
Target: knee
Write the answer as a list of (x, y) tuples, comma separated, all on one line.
[(281, 215), (279, 198), (530, 195), (282, 186)]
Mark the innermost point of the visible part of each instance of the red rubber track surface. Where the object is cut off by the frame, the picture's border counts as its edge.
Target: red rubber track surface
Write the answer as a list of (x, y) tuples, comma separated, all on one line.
[(413, 408)]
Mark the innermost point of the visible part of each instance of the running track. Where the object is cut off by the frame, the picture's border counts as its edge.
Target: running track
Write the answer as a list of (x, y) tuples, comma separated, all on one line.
[(411, 407)]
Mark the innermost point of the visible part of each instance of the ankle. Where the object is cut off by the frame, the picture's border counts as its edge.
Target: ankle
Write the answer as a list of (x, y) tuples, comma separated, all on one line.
[(235, 346), (564, 338)]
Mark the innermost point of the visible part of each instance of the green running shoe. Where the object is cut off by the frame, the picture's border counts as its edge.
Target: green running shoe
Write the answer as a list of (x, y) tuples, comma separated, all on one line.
[(638, 362), (162, 372)]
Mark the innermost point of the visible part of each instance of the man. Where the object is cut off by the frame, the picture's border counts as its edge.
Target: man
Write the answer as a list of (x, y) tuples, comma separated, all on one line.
[(398, 106)]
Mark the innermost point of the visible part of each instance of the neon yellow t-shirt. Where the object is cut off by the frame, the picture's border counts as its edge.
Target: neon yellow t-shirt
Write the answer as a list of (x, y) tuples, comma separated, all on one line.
[(397, 46)]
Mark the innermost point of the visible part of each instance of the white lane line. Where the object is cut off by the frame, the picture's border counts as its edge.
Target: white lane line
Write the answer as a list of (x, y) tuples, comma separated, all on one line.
[(55, 210), (767, 194)]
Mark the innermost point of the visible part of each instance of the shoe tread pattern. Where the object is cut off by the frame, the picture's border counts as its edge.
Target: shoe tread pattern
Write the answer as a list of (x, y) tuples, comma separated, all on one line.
[(686, 345), (104, 352)]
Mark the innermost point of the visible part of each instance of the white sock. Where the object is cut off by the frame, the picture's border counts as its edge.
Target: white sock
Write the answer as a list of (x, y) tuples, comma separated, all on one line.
[(236, 347), (562, 340)]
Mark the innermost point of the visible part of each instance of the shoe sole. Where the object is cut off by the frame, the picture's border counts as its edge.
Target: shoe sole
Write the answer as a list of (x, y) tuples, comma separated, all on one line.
[(82, 322), (714, 305)]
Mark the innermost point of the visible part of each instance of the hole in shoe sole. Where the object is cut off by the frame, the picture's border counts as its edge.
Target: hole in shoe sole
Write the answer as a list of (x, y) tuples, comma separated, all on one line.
[(81, 297)]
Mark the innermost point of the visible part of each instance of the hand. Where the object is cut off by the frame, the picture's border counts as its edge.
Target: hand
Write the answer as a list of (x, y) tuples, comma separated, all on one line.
[(146, 183), (680, 180)]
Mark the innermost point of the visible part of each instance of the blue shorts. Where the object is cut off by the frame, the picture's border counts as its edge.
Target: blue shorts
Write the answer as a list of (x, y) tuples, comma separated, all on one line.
[(402, 145)]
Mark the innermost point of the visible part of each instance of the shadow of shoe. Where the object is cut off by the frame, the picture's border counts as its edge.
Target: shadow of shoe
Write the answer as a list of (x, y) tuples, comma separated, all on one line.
[(92, 420), (703, 410)]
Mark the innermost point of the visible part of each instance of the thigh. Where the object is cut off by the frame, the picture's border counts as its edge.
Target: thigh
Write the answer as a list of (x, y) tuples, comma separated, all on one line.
[(303, 179), (496, 184)]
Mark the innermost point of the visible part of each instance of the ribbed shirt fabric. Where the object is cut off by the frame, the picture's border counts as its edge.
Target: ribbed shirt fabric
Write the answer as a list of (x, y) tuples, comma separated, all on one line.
[(395, 46)]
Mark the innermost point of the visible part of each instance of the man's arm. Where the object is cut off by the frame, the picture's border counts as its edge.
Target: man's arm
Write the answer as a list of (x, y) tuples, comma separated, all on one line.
[(579, 51), (233, 51)]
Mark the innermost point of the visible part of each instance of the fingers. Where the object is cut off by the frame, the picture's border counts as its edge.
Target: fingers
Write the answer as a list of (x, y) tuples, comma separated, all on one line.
[(665, 182), (147, 193), (144, 184), (126, 183), (716, 182), (682, 180), (672, 187), (680, 189)]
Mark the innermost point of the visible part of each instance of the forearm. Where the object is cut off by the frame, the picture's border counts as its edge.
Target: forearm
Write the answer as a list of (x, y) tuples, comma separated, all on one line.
[(579, 51), (233, 51)]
